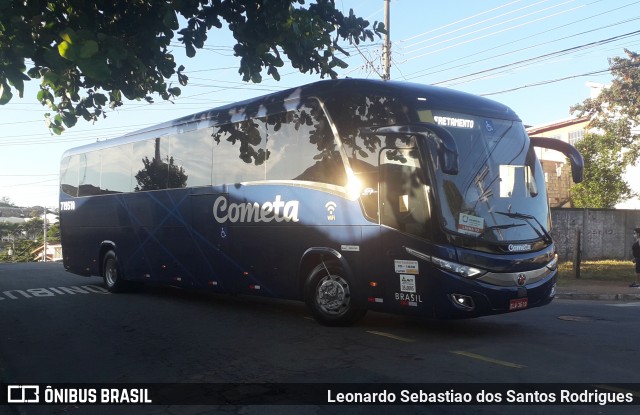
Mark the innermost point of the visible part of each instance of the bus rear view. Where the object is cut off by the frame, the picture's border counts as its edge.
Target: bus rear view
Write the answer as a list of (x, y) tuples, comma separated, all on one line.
[(349, 195)]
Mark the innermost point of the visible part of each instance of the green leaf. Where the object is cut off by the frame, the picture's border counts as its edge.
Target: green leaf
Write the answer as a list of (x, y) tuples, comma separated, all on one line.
[(50, 78), (17, 78), (170, 20), (56, 129), (34, 73), (191, 51), (69, 119), (94, 68), (340, 63), (5, 93), (88, 49), (68, 35), (100, 99), (256, 78), (54, 60), (67, 51)]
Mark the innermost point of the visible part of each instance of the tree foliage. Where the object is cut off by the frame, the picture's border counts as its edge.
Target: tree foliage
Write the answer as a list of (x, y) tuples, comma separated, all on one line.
[(615, 115), (20, 239), (91, 55), (603, 186), (5, 201), (616, 109)]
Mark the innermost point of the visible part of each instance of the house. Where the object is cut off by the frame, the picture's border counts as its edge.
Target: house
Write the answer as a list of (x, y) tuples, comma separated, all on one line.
[(555, 166), (13, 214), (557, 171), (54, 253)]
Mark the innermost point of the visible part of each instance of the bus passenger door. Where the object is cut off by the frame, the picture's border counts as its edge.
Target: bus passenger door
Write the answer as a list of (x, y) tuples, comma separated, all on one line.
[(215, 265), (405, 220)]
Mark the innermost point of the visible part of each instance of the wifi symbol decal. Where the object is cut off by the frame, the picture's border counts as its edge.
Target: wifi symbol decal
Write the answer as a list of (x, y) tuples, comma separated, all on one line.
[(331, 209)]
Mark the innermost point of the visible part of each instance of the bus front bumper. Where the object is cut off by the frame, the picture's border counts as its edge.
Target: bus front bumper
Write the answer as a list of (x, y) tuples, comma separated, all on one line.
[(467, 298)]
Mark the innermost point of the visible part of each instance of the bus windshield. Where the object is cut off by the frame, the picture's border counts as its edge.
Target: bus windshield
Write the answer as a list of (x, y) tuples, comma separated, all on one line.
[(498, 193)]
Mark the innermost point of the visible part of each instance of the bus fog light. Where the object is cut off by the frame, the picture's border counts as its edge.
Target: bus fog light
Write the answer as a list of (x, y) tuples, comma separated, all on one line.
[(462, 301)]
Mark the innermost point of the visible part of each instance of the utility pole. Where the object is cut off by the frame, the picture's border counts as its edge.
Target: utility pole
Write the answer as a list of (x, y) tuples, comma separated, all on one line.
[(44, 227), (386, 48)]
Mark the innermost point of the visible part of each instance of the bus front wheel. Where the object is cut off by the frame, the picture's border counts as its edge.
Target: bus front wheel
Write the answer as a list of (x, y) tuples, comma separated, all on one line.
[(329, 296), (113, 280)]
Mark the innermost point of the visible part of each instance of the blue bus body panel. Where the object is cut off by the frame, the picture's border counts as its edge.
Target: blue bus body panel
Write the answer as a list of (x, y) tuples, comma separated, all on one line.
[(173, 237)]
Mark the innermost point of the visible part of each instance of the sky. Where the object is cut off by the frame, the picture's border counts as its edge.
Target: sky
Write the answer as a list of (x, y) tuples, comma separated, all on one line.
[(535, 56)]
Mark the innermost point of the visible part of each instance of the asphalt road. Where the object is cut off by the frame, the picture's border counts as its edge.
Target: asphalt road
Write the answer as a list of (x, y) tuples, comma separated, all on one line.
[(59, 328)]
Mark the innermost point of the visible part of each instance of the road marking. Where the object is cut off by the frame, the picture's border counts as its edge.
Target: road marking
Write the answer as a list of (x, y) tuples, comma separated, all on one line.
[(52, 291), (575, 318), (488, 359), (391, 336), (636, 304)]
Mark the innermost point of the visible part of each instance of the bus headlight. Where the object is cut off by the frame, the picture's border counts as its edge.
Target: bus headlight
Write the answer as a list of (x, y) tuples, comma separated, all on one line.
[(462, 270), (553, 264)]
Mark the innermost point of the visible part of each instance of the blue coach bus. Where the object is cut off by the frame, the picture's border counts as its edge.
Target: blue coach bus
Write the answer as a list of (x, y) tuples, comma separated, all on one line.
[(350, 195)]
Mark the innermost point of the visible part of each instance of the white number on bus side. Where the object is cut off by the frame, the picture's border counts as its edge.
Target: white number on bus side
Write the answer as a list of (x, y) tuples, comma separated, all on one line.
[(70, 205)]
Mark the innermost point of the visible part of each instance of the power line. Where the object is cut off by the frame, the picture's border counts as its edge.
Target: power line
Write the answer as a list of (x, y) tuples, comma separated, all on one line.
[(28, 184), (528, 61), (457, 21), (28, 175), (551, 81), (479, 23), (424, 72), (475, 39)]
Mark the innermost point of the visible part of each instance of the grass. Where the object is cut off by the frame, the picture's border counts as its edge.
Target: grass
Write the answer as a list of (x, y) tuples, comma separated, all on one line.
[(606, 270)]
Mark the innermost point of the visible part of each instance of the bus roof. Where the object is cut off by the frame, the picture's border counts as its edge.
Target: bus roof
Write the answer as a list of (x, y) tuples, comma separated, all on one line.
[(431, 97)]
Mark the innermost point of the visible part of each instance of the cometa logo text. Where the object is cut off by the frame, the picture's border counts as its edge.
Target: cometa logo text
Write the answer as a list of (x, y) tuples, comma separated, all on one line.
[(278, 210)]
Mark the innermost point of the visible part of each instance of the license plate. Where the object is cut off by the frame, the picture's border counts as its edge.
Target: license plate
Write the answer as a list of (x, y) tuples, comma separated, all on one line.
[(518, 304)]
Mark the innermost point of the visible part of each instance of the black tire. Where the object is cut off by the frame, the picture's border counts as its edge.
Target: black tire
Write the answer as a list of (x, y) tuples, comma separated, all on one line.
[(329, 295), (113, 278)]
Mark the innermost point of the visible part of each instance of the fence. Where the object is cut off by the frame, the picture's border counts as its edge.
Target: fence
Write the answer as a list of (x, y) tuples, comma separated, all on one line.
[(594, 233)]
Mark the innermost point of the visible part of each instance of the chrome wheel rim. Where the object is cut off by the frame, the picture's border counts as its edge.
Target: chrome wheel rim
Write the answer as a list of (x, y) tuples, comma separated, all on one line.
[(333, 295), (111, 273)]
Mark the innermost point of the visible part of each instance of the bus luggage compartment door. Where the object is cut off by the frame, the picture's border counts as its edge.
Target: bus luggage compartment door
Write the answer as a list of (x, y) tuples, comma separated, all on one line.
[(212, 241)]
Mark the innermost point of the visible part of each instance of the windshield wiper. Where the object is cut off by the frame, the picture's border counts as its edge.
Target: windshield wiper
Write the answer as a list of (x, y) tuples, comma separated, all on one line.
[(506, 226), (523, 216)]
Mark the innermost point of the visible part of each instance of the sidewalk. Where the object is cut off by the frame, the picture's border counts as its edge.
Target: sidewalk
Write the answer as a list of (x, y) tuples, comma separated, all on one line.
[(580, 289)]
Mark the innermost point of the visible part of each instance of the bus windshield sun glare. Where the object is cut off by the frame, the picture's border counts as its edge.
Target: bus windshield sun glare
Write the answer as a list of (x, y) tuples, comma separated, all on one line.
[(350, 195)]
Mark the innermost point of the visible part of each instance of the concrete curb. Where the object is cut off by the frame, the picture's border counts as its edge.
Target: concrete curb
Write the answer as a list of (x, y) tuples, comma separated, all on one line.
[(602, 297)]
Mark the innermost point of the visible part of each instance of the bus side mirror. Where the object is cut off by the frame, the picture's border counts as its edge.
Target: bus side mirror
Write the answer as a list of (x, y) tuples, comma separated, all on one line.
[(444, 141), (572, 153)]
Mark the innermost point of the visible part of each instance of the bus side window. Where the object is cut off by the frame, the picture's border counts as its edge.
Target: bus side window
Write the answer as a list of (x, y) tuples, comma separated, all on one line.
[(89, 174), (192, 153), (239, 152), (404, 195), (69, 175), (301, 147), (151, 164), (116, 169)]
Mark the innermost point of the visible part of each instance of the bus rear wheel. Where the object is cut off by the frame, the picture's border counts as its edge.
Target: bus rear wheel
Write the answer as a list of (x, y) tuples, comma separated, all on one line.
[(329, 296), (111, 274)]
